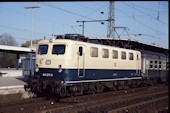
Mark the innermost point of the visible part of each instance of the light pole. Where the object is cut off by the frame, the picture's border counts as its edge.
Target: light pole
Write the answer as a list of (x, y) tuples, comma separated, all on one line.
[(31, 7)]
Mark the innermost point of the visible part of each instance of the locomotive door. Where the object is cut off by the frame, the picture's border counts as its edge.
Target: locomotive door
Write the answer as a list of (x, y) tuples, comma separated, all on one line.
[(81, 60), (138, 65)]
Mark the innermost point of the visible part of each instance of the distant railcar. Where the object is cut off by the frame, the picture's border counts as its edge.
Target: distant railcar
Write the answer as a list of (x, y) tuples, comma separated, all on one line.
[(154, 66)]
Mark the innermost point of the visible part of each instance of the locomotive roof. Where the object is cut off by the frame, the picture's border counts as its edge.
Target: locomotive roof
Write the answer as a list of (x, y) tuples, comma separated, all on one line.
[(117, 42), (134, 44), (77, 41)]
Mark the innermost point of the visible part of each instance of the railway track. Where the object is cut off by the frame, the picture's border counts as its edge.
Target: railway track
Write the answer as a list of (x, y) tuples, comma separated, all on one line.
[(108, 102), (150, 106), (115, 104)]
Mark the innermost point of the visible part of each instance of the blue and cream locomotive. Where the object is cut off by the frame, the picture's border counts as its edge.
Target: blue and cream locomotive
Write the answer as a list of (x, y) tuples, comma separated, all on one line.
[(72, 67)]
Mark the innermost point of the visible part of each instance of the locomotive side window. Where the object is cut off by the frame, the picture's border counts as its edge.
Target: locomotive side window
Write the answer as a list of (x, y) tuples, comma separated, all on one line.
[(115, 54), (156, 64), (94, 52), (151, 64), (42, 49), (123, 55), (167, 65), (164, 65), (130, 56), (160, 64), (105, 53), (58, 49)]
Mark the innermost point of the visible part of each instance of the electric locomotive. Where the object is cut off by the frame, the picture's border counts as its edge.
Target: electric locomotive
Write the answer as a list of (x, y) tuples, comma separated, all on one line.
[(67, 67)]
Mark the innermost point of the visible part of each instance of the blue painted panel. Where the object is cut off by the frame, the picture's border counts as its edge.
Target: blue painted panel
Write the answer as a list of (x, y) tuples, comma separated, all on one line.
[(90, 74)]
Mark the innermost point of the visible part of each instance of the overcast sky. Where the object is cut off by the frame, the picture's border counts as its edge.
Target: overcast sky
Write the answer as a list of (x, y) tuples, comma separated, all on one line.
[(149, 19)]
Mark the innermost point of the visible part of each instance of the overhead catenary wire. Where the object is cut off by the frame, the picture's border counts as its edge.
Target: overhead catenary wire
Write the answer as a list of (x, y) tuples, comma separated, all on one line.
[(18, 12), (36, 17), (55, 7), (142, 24), (143, 7), (89, 8), (23, 30), (148, 34), (144, 13), (49, 5), (96, 10), (93, 11), (48, 19), (138, 21)]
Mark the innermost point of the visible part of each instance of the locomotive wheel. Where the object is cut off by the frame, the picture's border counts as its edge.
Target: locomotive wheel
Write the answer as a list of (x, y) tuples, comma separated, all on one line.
[(76, 90), (61, 91), (80, 90), (98, 88), (34, 87)]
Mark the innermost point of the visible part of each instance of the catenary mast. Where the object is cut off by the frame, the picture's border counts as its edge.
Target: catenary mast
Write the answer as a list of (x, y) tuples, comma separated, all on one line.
[(111, 21)]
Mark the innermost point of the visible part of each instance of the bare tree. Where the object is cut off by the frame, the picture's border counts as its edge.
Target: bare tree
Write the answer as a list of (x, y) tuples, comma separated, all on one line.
[(7, 59), (27, 43), (7, 39)]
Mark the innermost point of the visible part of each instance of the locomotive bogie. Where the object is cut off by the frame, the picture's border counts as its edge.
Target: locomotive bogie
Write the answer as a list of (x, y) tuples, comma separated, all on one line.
[(53, 88)]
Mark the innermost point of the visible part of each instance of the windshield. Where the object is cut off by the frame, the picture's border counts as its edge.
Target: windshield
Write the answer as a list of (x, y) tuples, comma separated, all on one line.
[(58, 49), (42, 49)]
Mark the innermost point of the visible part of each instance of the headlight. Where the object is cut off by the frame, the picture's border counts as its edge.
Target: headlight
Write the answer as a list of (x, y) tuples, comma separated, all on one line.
[(60, 69), (36, 69)]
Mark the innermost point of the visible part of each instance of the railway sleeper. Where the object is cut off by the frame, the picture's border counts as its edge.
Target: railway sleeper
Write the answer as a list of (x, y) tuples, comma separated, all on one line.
[(136, 104), (143, 107), (132, 105)]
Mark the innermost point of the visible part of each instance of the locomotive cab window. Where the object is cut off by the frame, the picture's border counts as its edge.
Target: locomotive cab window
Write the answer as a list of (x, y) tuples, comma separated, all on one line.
[(105, 53), (58, 49), (42, 49)]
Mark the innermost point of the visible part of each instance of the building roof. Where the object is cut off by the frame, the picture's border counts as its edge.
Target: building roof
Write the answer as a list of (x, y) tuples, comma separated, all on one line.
[(5, 48)]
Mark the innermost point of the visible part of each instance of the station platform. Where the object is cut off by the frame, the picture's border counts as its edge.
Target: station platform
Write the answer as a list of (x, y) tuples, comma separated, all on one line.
[(12, 85), (10, 72)]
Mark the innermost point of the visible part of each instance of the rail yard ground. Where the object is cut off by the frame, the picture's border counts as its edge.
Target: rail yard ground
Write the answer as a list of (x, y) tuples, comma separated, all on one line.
[(152, 99)]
